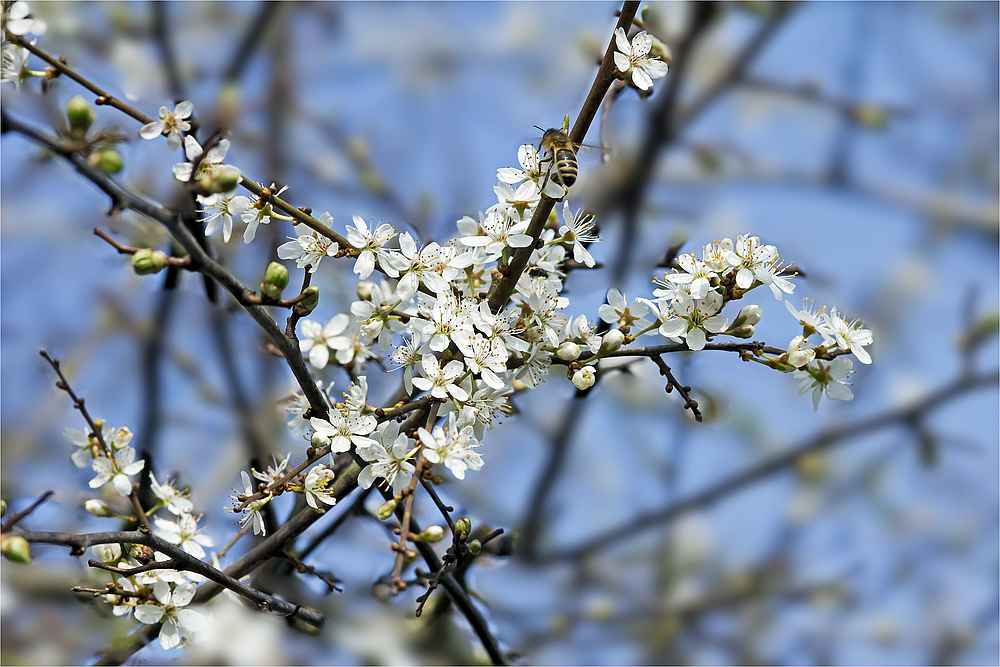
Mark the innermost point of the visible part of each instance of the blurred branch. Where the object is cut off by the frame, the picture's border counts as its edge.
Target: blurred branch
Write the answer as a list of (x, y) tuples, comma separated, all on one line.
[(253, 37), (776, 464)]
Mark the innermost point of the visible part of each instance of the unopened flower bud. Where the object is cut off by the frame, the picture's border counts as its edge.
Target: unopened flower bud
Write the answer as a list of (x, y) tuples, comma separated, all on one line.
[(80, 116), (98, 508), (15, 548), (275, 281), (585, 378), (110, 161), (227, 178), (747, 315), (365, 290), (370, 330), (745, 331), (568, 351), (386, 509), (309, 303), (107, 553), (613, 340), (147, 261), (463, 525), (3, 508), (319, 440), (430, 534), (221, 179), (475, 546)]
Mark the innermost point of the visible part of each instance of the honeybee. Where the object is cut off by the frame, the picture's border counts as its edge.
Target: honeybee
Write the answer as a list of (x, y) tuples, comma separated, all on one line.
[(561, 152)]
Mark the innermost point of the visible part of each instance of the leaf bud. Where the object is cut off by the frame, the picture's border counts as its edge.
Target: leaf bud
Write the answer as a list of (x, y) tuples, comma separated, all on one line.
[(430, 534), (275, 281), (613, 340), (98, 508), (386, 509), (568, 351), (463, 525), (147, 261), (475, 546), (80, 116), (309, 303), (15, 548), (585, 378)]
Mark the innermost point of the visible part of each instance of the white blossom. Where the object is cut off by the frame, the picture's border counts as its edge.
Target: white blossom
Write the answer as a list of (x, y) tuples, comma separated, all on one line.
[(170, 123), (632, 59)]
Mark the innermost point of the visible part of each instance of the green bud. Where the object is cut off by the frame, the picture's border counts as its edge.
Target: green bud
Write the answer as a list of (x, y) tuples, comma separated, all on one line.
[(430, 534), (565, 124), (275, 281), (386, 509), (309, 303), (80, 116), (659, 50), (463, 525), (227, 178), (223, 178), (3, 508), (147, 261), (874, 118), (98, 508), (15, 549), (745, 331), (475, 546), (110, 161)]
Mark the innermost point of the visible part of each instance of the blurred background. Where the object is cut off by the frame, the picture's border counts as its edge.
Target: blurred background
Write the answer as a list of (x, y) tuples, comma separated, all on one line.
[(861, 139)]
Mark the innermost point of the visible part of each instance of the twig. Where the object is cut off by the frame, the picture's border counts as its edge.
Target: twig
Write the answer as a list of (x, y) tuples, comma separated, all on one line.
[(103, 96), (503, 288), (181, 559), (673, 383), (15, 518), (179, 262)]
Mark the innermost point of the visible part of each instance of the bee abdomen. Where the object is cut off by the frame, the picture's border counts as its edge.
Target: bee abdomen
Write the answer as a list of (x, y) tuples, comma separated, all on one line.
[(566, 167)]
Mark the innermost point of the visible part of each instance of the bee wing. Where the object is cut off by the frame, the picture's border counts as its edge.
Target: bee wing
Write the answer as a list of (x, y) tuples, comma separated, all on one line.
[(589, 151)]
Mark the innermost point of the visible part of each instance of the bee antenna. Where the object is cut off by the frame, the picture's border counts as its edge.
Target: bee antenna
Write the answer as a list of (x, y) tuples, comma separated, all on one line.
[(539, 128)]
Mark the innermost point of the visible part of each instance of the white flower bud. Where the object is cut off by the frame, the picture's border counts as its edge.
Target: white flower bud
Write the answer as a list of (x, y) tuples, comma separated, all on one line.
[(568, 351), (585, 378), (430, 534), (748, 315), (386, 509), (613, 340), (107, 553), (98, 507), (319, 440)]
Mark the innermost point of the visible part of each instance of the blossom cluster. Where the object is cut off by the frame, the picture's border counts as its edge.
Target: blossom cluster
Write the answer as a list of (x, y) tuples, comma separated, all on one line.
[(429, 312), (158, 595)]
